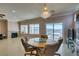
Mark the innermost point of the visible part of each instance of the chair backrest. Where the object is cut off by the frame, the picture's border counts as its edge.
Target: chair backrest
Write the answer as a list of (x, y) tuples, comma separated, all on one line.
[(50, 49), (26, 39), (44, 36), (23, 43), (59, 43)]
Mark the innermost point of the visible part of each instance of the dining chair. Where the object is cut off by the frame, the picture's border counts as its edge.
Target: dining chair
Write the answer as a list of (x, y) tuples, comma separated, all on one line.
[(28, 48), (26, 42), (59, 42), (44, 36), (51, 49), (26, 39)]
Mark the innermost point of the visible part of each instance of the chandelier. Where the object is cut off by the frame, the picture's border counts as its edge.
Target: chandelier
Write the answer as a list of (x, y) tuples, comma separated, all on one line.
[(45, 11), (2, 15)]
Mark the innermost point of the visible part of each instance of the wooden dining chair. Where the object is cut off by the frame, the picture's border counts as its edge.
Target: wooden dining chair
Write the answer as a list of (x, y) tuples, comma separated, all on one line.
[(43, 36), (26, 39), (28, 48), (49, 50), (59, 43)]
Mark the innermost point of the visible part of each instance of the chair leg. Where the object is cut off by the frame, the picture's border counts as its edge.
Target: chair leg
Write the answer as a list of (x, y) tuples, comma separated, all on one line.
[(25, 54), (31, 53), (57, 54), (38, 53)]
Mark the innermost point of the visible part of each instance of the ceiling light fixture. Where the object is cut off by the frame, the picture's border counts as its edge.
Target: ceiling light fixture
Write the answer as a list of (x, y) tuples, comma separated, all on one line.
[(2, 15), (13, 11), (45, 11)]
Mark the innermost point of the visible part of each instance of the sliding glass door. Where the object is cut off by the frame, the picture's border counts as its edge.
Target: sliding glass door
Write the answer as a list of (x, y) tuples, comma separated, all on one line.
[(54, 30), (58, 30), (49, 30)]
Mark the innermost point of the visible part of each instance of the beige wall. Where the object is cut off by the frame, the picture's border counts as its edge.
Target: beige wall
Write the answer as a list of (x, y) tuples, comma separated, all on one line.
[(67, 21), (3, 27)]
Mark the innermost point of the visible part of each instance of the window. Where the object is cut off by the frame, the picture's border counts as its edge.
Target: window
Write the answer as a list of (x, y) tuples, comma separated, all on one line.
[(49, 30), (54, 30), (24, 29), (58, 30), (34, 28)]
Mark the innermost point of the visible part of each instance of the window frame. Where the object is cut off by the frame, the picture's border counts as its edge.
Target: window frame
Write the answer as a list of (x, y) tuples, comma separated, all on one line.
[(30, 29), (53, 29), (26, 32)]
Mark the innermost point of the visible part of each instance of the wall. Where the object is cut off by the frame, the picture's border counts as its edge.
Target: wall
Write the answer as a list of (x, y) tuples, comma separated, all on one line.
[(67, 21), (12, 27), (3, 26)]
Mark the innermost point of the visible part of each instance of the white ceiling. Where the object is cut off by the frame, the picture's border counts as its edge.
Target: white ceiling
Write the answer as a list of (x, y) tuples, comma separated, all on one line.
[(24, 11)]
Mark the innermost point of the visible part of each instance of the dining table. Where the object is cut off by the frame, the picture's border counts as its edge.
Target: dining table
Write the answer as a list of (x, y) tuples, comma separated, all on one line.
[(39, 42)]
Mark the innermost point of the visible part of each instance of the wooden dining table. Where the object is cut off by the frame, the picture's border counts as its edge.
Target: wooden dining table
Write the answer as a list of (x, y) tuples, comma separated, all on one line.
[(40, 43), (37, 42)]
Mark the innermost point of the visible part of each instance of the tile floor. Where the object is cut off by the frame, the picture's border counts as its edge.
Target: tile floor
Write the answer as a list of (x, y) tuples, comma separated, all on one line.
[(13, 47)]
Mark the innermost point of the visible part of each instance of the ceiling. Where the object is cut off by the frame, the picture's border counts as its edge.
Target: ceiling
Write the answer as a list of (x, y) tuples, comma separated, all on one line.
[(22, 11)]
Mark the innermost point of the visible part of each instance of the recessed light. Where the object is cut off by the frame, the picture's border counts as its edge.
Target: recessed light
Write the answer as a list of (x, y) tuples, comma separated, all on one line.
[(13, 11)]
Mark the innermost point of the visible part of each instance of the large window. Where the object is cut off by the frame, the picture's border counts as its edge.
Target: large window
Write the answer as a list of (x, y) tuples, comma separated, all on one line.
[(54, 30), (34, 28), (24, 29), (58, 29)]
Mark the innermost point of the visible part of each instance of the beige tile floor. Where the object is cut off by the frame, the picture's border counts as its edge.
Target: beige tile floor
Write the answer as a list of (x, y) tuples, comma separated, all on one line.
[(13, 47)]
